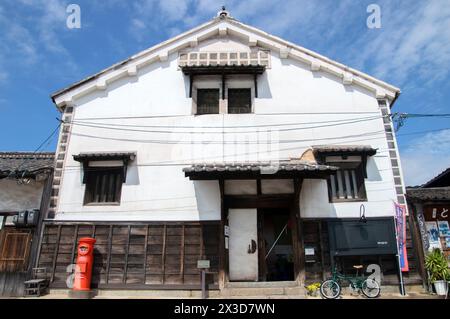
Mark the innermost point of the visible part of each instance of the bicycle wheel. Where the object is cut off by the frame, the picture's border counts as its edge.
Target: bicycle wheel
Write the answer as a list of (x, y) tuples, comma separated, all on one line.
[(371, 288), (330, 289)]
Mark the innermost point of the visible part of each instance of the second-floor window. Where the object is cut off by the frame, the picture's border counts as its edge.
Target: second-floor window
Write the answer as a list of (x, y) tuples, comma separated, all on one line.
[(239, 101), (348, 183), (103, 185), (208, 101)]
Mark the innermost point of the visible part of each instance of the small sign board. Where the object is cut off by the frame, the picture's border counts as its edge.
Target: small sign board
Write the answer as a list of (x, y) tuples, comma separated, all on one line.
[(203, 264), (309, 251), (227, 230)]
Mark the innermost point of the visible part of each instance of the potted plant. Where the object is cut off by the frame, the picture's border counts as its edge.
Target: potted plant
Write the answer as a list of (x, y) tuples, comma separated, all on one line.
[(313, 289), (437, 267)]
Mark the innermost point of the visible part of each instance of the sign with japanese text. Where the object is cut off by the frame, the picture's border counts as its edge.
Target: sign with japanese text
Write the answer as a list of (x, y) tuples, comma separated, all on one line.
[(400, 217)]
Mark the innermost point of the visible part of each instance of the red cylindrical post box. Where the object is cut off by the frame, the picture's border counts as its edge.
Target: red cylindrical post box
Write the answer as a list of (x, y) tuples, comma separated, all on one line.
[(85, 261)]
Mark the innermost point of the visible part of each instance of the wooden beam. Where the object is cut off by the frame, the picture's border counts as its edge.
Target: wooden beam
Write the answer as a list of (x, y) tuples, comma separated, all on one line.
[(124, 279), (163, 256), (223, 86), (322, 255), (74, 247), (145, 253), (255, 79), (223, 256), (55, 254), (182, 255), (191, 83), (258, 186), (108, 262), (301, 246), (417, 245), (38, 255)]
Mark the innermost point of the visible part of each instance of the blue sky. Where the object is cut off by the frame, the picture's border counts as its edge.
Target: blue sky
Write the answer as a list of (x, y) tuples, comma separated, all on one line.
[(39, 55)]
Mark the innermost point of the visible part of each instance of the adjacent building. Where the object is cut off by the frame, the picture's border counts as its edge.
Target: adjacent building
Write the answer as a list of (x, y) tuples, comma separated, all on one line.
[(233, 147), (25, 185), (429, 205)]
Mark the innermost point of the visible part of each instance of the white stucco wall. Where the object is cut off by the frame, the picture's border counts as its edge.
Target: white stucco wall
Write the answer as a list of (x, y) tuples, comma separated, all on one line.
[(16, 197), (290, 96)]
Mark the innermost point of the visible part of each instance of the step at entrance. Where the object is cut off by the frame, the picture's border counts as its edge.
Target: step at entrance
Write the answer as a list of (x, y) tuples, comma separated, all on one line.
[(263, 289)]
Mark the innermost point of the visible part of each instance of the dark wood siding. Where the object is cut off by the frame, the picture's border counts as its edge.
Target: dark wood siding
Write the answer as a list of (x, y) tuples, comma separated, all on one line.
[(145, 255), (15, 247), (315, 234)]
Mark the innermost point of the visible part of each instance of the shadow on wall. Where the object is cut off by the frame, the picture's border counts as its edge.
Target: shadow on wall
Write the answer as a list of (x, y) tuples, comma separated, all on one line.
[(314, 200), (207, 195), (373, 172), (264, 87), (97, 268), (132, 174)]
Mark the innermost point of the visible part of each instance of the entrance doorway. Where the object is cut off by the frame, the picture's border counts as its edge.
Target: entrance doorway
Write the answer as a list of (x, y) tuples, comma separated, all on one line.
[(276, 256), (260, 245)]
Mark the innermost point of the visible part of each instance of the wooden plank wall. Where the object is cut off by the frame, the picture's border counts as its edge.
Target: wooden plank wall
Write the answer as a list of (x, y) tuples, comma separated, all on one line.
[(162, 255), (315, 234), (15, 244)]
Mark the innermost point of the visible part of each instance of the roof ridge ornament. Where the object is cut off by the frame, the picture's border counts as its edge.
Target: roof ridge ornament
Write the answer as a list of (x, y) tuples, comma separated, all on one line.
[(222, 14)]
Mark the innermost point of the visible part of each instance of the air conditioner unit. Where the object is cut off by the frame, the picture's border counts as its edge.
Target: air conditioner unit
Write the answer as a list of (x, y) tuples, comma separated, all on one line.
[(33, 217), (20, 220)]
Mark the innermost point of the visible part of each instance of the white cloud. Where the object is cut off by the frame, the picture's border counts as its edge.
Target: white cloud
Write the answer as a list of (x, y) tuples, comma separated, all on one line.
[(27, 40), (414, 39), (174, 9), (426, 157)]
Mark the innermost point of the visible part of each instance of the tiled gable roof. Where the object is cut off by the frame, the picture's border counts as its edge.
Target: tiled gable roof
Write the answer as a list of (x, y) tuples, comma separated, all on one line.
[(25, 163)]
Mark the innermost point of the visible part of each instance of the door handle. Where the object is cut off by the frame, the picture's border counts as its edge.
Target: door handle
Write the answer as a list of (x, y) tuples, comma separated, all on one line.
[(252, 247)]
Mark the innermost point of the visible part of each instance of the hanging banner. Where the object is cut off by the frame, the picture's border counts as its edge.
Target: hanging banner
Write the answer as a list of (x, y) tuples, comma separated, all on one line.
[(433, 236), (400, 217)]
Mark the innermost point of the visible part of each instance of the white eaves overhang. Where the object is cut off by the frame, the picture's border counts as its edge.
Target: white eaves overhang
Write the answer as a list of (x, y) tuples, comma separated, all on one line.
[(218, 26)]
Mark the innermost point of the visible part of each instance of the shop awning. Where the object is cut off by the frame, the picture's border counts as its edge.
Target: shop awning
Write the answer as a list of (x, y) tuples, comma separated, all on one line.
[(356, 238), (245, 170)]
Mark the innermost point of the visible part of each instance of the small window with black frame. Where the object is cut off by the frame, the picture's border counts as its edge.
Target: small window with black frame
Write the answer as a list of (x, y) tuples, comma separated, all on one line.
[(347, 184), (239, 101), (207, 101), (103, 185)]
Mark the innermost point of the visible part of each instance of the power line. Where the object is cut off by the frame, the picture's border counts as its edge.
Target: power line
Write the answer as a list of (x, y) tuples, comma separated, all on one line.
[(350, 121), (190, 115), (151, 141), (216, 127), (261, 142), (400, 118), (190, 161), (41, 145), (425, 115)]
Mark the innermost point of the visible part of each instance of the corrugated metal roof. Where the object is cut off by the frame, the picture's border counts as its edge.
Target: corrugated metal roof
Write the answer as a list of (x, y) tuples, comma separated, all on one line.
[(25, 163)]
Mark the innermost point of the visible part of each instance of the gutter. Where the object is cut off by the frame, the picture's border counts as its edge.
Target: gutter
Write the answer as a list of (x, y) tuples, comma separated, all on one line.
[(397, 94)]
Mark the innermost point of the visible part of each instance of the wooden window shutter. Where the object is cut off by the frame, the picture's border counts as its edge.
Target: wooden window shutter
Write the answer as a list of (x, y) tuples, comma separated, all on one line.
[(15, 248)]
